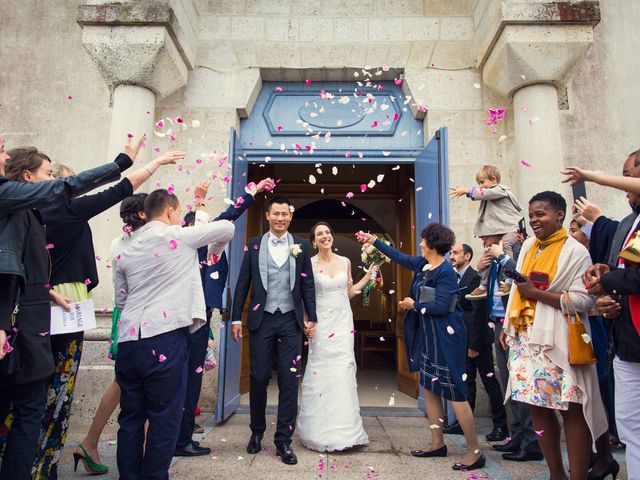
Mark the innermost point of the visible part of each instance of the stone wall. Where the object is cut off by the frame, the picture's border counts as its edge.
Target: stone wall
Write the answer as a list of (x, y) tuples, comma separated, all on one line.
[(600, 125)]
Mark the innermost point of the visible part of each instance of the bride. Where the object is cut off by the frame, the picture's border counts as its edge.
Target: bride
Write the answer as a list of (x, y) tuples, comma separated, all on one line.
[(329, 417)]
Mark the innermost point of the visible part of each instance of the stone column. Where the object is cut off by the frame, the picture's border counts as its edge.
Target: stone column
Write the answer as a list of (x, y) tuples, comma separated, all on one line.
[(144, 55), (529, 50), (133, 113), (143, 51), (537, 140)]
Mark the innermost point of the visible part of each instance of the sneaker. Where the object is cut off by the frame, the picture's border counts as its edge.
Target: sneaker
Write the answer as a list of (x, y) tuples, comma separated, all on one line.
[(477, 294), (503, 290)]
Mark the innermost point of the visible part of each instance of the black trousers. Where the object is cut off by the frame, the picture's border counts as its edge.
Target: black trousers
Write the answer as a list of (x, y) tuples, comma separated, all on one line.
[(152, 374), (522, 431), (198, 341), (26, 403), (278, 338), (483, 364)]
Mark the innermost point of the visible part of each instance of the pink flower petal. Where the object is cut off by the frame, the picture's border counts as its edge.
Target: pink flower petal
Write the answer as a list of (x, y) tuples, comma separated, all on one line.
[(199, 370), (87, 281), (173, 244), (49, 246), (525, 163), (255, 309), (161, 358)]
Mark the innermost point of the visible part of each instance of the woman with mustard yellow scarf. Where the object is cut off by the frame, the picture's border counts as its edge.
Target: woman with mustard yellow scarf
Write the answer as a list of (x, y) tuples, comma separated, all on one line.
[(535, 331)]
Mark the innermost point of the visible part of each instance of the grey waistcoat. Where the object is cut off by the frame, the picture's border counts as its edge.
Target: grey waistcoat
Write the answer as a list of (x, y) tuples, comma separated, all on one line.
[(278, 287)]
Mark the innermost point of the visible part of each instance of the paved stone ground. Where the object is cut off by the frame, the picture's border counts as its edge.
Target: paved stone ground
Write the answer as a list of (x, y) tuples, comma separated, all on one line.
[(386, 456)]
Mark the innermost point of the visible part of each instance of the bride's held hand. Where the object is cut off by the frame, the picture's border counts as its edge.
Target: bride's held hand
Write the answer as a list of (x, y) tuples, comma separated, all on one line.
[(309, 329)]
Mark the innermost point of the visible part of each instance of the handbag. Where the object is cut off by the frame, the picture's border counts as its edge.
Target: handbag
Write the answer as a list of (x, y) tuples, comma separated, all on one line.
[(578, 340)]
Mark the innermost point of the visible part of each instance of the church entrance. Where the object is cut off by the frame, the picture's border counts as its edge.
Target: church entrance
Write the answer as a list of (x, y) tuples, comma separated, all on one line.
[(375, 180), (378, 343)]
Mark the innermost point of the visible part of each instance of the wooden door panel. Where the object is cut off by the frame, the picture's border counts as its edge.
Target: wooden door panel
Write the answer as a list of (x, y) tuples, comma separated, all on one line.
[(407, 381)]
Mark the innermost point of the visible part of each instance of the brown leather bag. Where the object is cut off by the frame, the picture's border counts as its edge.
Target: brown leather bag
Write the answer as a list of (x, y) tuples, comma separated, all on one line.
[(578, 340)]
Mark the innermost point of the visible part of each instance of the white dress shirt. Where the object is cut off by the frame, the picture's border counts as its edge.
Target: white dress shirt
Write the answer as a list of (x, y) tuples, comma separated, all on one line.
[(279, 248), (158, 286)]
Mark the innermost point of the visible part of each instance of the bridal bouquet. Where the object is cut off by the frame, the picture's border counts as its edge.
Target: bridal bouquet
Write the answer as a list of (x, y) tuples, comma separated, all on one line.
[(371, 256)]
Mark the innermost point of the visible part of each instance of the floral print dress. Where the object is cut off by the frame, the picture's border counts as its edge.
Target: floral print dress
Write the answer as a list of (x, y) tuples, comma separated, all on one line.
[(536, 380)]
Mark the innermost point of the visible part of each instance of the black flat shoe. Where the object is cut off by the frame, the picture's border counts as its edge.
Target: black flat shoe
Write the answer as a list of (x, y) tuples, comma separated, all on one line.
[(479, 463), (286, 454), (498, 434), (255, 444), (612, 469), (453, 429), (440, 452), (191, 450), (508, 447), (523, 456)]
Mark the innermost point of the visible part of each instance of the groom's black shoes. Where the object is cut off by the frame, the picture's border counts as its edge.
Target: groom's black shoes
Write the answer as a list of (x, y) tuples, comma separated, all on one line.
[(192, 449), (286, 454), (255, 444)]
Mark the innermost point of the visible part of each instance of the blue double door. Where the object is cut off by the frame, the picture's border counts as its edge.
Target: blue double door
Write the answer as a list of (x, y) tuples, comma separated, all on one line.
[(426, 201)]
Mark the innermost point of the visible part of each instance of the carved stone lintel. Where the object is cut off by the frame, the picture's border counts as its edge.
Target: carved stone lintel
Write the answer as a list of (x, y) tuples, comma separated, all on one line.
[(528, 54), (520, 43), (140, 43)]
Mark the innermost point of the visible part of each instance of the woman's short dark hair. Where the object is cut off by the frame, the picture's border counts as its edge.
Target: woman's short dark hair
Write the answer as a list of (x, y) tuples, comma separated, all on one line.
[(22, 160), (130, 209), (312, 233), (554, 199), (438, 237)]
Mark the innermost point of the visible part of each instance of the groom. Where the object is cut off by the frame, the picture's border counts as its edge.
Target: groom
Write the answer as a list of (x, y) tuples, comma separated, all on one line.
[(279, 267)]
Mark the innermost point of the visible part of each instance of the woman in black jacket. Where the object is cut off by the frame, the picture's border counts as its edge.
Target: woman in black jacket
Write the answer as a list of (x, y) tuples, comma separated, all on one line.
[(73, 276), (24, 282)]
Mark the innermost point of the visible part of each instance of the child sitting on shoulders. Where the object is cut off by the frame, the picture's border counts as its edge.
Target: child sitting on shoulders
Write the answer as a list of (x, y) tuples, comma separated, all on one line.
[(499, 214)]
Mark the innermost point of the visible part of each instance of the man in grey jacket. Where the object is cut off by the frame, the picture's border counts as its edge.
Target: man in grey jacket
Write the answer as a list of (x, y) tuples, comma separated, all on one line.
[(159, 291)]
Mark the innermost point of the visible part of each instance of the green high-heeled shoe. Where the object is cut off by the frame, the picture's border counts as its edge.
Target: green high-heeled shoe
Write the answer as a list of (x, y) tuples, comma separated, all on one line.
[(90, 466)]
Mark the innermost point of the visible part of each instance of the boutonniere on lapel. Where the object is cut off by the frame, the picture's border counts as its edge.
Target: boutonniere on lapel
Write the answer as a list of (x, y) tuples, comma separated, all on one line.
[(427, 268), (295, 250)]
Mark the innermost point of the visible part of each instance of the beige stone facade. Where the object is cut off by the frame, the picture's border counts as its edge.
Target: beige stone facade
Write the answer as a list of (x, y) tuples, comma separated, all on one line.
[(64, 65)]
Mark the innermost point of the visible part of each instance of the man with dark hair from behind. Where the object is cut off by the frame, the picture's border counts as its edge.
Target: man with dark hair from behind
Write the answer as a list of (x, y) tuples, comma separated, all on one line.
[(159, 291)]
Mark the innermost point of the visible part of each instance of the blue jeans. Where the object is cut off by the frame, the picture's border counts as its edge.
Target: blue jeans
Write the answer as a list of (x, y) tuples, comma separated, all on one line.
[(152, 374)]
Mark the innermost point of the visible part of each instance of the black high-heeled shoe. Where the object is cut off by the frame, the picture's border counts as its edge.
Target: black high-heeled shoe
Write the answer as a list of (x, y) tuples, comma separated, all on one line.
[(612, 469)]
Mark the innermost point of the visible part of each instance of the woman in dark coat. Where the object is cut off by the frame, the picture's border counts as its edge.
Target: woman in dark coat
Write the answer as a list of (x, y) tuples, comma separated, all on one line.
[(433, 298), (74, 275), (24, 264)]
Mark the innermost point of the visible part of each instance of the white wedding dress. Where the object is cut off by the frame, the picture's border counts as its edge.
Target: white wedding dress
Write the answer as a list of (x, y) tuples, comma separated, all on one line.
[(329, 417)]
